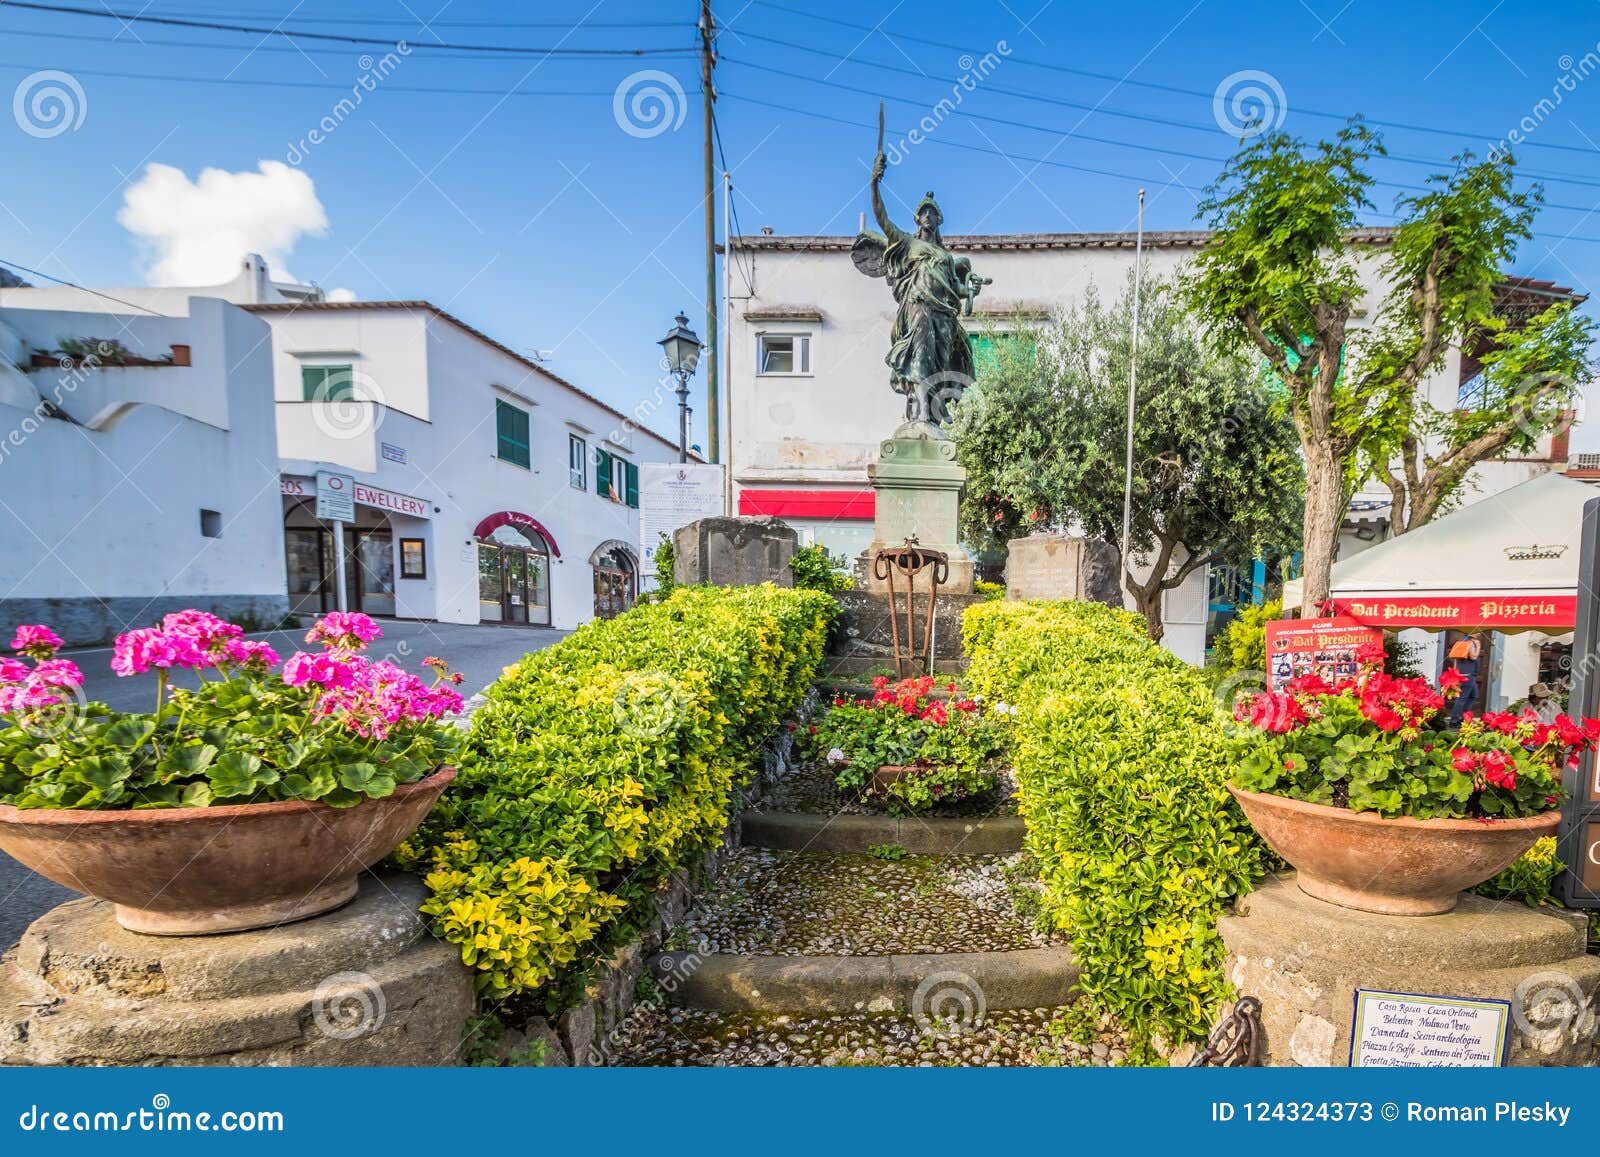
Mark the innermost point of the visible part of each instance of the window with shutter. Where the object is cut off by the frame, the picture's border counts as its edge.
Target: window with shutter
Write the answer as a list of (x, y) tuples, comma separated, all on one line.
[(511, 434), (602, 474), (631, 495)]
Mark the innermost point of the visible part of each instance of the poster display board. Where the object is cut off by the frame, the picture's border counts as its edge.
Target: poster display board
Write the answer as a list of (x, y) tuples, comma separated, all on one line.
[(1402, 1030), (674, 494), (1325, 647)]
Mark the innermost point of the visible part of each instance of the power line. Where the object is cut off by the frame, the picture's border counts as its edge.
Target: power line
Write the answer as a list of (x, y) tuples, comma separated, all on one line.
[(417, 21), (1076, 135), (1151, 118), (1119, 80), (415, 90), (522, 56), (733, 209), (75, 285), (299, 34), (942, 143)]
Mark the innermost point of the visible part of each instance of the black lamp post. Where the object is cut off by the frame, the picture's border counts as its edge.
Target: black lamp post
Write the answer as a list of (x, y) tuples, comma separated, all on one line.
[(683, 354)]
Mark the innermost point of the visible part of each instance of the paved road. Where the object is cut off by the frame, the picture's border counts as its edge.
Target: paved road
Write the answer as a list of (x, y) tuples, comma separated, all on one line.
[(479, 653)]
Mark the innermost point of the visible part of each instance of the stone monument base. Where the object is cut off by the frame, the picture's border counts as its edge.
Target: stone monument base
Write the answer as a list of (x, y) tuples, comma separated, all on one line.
[(916, 485), (364, 985), (1304, 959)]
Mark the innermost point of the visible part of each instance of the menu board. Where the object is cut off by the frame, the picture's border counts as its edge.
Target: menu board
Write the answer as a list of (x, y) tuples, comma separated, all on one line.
[(1325, 647)]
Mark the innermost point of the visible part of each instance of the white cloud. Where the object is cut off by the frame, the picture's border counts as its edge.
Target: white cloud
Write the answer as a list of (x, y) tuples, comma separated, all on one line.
[(341, 295), (197, 232)]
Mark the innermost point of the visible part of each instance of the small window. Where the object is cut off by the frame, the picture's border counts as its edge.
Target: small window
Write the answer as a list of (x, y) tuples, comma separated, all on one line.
[(578, 462), (413, 558), (327, 383), (511, 434), (784, 353), (210, 523)]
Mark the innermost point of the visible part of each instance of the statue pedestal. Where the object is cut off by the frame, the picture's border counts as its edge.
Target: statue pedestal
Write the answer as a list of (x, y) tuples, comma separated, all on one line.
[(1305, 958), (917, 486)]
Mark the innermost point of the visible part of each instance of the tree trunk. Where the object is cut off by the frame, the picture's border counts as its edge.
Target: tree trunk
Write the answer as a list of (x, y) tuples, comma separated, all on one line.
[(1324, 516), (1148, 601)]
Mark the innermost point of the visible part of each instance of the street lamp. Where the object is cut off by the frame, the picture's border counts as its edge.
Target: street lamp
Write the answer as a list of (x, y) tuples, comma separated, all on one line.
[(683, 354)]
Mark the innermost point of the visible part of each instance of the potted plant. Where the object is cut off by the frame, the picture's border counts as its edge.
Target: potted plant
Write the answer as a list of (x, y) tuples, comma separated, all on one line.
[(911, 744), (255, 798), (1382, 807)]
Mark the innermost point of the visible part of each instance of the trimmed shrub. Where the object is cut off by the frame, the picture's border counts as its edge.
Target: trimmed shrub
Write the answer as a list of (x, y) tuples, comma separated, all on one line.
[(599, 767), (1122, 761)]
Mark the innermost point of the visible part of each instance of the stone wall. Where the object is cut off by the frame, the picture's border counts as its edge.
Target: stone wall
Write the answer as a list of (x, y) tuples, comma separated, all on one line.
[(734, 552), (1063, 566), (82, 621)]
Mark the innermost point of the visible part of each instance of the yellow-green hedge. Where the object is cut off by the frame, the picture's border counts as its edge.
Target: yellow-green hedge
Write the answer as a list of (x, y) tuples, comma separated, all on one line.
[(600, 766), (1121, 762)]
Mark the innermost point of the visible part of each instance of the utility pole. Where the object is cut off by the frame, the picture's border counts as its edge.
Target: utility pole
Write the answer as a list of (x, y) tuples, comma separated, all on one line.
[(1133, 391), (708, 59)]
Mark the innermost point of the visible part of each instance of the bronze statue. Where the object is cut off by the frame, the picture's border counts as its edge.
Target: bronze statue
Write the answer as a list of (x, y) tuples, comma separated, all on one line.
[(930, 355)]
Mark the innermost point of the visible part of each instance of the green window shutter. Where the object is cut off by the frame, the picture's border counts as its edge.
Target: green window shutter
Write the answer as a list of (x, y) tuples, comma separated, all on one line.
[(326, 383), (602, 474), (632, 494), (511, 434)]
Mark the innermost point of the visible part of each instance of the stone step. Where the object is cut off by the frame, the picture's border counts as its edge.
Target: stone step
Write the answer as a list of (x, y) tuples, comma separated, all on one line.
[(918, 835), (781, 903), (925, 984), (994, 1039)]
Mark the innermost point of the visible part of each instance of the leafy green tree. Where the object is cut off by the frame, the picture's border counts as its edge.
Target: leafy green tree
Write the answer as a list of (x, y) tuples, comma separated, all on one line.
[(1283, 279), (1216, 467)]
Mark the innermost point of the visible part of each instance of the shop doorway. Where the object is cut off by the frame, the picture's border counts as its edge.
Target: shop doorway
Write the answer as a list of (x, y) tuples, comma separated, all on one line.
[(514, 577), (616, 580), (312, 570)]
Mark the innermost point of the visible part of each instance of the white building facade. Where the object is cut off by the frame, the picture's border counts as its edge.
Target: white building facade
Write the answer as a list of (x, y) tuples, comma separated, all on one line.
[(808, 399), (138, 466), (485, 488), (482, 487)]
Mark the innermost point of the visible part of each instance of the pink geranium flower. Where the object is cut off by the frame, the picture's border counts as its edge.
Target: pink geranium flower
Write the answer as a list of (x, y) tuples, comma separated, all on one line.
[(37, 642), (12, 670), (150, 648), (343, 631)]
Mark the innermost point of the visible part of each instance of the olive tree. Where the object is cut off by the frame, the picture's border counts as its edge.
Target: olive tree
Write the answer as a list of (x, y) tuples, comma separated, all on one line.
[(1217, 472)]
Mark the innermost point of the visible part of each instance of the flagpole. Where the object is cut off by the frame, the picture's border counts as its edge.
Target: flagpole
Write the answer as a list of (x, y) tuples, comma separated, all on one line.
[(1133, 389)]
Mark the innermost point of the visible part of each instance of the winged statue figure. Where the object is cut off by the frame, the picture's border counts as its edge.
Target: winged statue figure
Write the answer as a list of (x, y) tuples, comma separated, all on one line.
[(930, 355)]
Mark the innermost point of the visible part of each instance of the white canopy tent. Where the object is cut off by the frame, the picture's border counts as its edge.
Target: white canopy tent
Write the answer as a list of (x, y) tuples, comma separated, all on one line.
[(1506, 563)]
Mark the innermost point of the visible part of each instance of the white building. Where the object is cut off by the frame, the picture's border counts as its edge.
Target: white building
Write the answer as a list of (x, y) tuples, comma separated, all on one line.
[(808, 398), (138, 466), (485, 487)]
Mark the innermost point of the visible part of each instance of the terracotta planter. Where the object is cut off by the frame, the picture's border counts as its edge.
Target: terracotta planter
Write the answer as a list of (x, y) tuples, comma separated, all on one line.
[(192, 871), (1400, 866), (891, 772)]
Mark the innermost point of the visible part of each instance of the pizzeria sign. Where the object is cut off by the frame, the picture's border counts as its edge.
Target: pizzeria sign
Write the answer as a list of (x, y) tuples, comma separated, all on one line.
[(1466, 613)]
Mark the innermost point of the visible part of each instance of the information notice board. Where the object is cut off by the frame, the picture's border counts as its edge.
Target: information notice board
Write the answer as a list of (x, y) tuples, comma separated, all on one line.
[(674, 494)]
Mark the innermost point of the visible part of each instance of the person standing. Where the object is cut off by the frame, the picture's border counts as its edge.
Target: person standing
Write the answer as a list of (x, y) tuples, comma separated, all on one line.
[(1465, 657)]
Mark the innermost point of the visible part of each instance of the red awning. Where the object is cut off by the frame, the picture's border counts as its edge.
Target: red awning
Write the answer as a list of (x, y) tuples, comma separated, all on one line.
[(522, 521), (843, 504), (1551, 613)]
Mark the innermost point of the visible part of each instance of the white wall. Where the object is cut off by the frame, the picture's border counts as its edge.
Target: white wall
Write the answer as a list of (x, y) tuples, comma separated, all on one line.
[(112, 514)]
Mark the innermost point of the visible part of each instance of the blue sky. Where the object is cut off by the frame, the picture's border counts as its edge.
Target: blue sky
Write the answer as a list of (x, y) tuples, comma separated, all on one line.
[(541, 219)]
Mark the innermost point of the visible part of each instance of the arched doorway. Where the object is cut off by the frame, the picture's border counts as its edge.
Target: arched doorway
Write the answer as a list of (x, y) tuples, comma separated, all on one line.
[(514, 576), (312, 570), (616, 579)]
